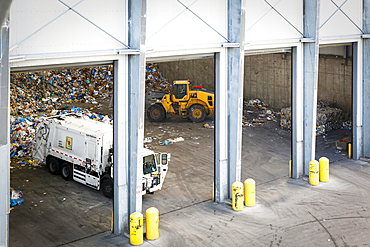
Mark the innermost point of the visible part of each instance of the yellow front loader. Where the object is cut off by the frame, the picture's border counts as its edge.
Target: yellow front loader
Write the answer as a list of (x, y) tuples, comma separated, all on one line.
[(184, 99)]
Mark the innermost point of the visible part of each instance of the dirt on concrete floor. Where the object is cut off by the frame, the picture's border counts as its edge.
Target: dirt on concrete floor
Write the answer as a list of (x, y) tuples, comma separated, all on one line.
[(65, 213)]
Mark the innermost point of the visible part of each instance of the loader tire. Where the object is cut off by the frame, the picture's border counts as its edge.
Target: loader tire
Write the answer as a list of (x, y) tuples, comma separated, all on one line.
[(107, 187), (156, 113), (54, 166), (197, 113), (66, 171)]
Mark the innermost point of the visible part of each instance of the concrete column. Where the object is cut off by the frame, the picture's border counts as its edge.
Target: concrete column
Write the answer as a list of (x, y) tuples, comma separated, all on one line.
[(136, 102), (297, 111), (221, 166), (310, 79), (129, 103), (357, 99), (120, 113), (4, 134), (235, 74), (366, 81)]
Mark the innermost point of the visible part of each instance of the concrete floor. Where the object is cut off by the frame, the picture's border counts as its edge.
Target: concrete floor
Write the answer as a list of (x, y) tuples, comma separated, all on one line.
[(289, 212)]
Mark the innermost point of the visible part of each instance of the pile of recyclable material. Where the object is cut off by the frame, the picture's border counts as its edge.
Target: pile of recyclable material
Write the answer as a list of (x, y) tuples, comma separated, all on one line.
[(347, 125), (256, 113), (44, 91), (16, 197), (154, 81), (286, 118), (328, 118)]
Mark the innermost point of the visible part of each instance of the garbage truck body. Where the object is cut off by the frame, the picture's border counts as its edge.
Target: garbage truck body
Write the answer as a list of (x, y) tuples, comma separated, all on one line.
[(82, 150)]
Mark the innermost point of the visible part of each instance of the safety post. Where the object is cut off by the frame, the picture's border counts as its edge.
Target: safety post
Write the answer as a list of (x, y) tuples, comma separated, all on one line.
[(324, 169), (136, 228), (314, 172), (250, 192), (213, 192), (290, 168), (111, 223), (349, 150), (152, 223), (237, 196)]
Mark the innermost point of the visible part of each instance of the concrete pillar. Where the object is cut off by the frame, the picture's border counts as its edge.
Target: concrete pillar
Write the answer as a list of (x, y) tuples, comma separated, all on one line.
[(4, 134), (136, 102), (366, 81), (221, 166), (129, 103), (297, 111), (120, 109), (357, 99), (310, 79), (235, 75)]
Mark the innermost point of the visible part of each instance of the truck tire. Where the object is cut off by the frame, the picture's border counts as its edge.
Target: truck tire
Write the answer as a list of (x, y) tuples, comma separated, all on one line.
[(107, 187), (156, 113), (66, 171), (197, 113), (54, 166)]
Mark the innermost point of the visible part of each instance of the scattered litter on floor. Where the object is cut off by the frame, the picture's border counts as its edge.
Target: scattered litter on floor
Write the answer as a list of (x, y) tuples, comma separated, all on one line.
[(256, 113)]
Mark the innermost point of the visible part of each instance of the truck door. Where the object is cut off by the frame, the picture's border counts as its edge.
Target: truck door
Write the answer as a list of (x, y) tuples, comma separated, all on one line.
[(164, 158), (92, 177)]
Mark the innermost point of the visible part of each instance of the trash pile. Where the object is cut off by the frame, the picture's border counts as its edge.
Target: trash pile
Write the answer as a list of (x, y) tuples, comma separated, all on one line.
[(257, 113), (154, 81), (328, 118), (16, 197), (44, 91), (347, 125)]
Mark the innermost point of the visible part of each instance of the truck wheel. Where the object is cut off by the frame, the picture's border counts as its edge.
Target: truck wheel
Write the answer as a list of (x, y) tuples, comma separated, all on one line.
[(197, 113), (156, 113), (107, 187), (66, 171), (53, 166)]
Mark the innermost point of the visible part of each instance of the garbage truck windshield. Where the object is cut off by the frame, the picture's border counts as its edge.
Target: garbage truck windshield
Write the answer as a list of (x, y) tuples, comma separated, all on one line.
[(149, 164)]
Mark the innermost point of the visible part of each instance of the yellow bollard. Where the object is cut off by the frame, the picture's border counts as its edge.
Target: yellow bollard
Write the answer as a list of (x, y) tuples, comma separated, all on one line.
[(237, 196), (314, 172), (111, 224), (250, 192), (136, 228), (290, 168), (213, 192), (152, 223), (349, 150), (324, 169)]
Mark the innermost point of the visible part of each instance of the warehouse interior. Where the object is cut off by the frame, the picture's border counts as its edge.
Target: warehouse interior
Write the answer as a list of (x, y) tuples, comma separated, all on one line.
[(309, 62)]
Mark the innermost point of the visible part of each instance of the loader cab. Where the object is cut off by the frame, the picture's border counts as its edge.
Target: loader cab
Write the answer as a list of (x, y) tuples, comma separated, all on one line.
[(180, 90)]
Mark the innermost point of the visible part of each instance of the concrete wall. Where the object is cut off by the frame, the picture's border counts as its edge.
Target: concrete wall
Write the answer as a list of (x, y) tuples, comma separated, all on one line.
[(199, 71), (335, 82), (267, 77)]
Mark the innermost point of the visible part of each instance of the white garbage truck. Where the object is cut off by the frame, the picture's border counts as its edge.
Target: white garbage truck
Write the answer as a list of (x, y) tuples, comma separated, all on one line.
[(82, 150)]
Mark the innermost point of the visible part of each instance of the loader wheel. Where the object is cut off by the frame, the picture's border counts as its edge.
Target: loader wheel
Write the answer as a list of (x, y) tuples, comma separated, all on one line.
[(66, 171), (107, 187), (53, 166), (156, 113), (197, 113)]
